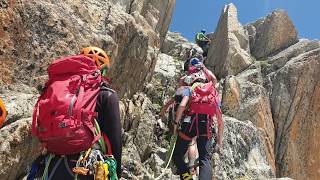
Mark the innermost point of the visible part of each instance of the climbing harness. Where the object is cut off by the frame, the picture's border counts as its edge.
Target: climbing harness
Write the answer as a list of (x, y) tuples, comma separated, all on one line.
[(90, 162)]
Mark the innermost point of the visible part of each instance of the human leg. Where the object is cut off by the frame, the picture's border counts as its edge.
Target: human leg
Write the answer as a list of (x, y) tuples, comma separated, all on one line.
[(179, 151), (204, 149), (193, 155)]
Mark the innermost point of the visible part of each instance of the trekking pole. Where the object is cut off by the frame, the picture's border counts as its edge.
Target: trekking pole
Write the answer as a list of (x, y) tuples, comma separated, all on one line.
[(169, 155)]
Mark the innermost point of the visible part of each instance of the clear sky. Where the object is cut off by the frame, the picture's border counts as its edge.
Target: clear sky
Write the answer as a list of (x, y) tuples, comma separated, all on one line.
[(190, 16)]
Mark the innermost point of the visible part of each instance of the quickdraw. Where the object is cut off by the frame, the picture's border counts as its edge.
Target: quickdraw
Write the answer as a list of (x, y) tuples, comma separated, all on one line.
[(93, 162)]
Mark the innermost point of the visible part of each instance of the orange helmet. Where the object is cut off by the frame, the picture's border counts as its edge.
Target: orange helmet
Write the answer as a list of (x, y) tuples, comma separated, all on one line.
[(98, 55), (3, 113)]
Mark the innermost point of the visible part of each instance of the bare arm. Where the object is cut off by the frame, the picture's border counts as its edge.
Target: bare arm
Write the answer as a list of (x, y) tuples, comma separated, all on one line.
[(165, 107), (210, 75), (181, 108)]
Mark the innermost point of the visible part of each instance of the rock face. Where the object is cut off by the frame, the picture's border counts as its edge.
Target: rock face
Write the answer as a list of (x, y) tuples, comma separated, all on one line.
[(175, 45), (151, 14), (244, 155), (295, 107), (167, 66), (229, 52), (274, 102), (271, 34), (245, 98), (279, 93), (279, 60), (19, 105), (33, 33), (139, 122), (17, 149)]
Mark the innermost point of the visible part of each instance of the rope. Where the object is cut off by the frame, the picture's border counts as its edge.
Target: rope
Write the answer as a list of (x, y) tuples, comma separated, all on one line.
[(112, 167), (55, 168), (45, 173), (170, 153)]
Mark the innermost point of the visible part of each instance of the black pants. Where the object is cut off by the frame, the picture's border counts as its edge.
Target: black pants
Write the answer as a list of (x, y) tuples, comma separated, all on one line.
[(204, 148), (205, 47)]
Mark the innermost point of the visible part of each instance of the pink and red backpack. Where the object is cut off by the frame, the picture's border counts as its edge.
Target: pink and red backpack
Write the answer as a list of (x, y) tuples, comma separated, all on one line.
[(63, 118)]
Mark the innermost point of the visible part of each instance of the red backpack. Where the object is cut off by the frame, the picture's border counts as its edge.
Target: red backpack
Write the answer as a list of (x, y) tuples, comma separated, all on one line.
[(63, 118), (203, 100)]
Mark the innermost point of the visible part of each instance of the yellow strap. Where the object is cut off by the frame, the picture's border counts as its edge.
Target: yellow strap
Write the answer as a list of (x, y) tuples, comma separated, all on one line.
[(186, 176)]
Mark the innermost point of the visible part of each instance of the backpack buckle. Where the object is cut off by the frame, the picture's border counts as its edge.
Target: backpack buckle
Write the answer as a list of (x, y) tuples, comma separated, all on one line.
[(62, 125)]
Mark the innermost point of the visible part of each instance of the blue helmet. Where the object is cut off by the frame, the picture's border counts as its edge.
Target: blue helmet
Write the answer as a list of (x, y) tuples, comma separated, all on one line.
[(203, 31), (194, 61)]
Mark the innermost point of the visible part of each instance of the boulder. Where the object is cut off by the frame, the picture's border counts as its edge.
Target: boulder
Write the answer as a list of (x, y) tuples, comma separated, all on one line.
[(245, 98), (229, 52), (139, 123), (17, 149), (19, 105), (177, 46), (271, 34), (243, 155), (295, 103), (167, 66)]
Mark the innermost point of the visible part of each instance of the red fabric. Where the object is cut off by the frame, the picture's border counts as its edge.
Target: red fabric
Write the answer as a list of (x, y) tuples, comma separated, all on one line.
[(203, 100), (192, 69), (65, 127), (108, 144)]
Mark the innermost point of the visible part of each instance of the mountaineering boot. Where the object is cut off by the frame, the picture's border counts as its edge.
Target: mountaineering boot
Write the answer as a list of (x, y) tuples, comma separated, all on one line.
[(186, 176)]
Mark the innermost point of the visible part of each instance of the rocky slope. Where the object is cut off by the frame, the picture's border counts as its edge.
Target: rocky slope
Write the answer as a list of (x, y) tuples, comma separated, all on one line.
[(269, 82), (33, 33), (276, 89)]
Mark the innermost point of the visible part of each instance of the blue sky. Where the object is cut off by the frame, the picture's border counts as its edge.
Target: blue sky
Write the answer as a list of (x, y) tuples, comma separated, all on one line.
[(191, 16)]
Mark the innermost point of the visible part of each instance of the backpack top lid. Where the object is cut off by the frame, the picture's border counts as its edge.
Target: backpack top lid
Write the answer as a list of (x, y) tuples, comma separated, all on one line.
[(78, 64), (203, 99)]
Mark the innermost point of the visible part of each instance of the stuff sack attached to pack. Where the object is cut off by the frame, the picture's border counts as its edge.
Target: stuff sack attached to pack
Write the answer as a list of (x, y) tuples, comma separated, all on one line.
[(63, 118), (203, 99)]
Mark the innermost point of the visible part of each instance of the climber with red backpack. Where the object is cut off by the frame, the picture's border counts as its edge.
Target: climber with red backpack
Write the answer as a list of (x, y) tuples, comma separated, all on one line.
[(77, 120), (201, 103)]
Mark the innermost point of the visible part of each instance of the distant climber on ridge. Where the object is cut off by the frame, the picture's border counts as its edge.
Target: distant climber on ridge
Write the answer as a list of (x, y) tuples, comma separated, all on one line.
[(203, 41), (195, 52)]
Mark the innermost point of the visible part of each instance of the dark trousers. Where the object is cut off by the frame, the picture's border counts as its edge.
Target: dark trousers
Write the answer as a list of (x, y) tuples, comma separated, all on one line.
[(62, 168), (204, 148), (204, 46)]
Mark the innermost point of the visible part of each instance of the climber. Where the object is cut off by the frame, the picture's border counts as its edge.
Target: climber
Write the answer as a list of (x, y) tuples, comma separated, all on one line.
[(3, 113), (203, 41), (83, 138), (192, 153), (202, 105), (195, 52), (196, 65)]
